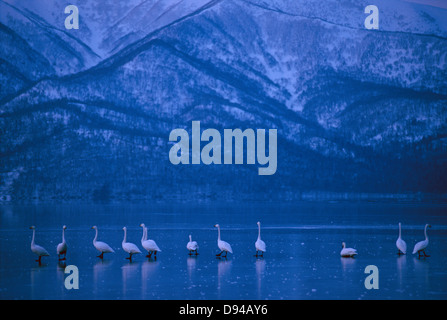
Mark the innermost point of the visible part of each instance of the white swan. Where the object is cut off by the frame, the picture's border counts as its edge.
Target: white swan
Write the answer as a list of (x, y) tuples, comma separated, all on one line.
[(192, 246), (400, 244), (259, 244), (422, 245), (223, 246), (40, 251), (101, 246), (347, 252), (62, 247), (129, 247), (149, 245)]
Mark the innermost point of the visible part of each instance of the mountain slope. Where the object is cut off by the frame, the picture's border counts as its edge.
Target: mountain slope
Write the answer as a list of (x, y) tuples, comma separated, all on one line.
[(356, 110)]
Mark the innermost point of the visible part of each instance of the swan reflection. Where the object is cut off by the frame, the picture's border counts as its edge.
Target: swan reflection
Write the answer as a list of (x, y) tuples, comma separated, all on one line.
[(260, 269), (191, 265), (128, 271), (149, 270), (223, 268)]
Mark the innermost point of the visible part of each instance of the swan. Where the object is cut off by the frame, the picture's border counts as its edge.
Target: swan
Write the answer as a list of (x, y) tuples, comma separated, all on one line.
[(192, 246), (347, 252), (259, 244), (101, 246), (223, 246), (422, 245), (149, 245), (40, 251), (62, 247), (129, 247), (400, 244)]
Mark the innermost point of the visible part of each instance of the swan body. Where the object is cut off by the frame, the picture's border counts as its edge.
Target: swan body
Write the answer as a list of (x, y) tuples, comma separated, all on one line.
[(149, 245), (61, 248), (347, 252), (192, 246), (401, 244), (259, 244), (101, 246), (223, 246), (39, 250), (422, 245), (129, 247)]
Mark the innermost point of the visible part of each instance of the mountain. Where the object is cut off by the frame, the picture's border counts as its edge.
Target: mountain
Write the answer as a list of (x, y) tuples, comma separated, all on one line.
[(357, 111)]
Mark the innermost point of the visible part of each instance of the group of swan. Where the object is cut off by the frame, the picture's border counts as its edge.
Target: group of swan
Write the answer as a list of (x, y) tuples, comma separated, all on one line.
[(40, 251), (102, 247), (151, 247), (418, 247), (128, 247), (400, 244)]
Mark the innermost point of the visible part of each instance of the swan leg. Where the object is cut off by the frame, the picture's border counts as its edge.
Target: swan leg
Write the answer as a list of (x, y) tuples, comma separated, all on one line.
[(196, 252), (219, 254), (101, 255), (225, 254), (129, 257), (425, 255)]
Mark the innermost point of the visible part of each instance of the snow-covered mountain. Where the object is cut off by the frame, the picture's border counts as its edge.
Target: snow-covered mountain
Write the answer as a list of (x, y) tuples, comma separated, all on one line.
[(87, 114)]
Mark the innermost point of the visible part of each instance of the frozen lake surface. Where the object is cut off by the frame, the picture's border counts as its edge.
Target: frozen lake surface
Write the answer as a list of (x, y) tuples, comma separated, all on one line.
[(302, 259)]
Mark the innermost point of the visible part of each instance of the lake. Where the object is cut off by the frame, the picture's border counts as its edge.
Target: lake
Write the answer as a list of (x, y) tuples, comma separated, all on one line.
[(302, 260)]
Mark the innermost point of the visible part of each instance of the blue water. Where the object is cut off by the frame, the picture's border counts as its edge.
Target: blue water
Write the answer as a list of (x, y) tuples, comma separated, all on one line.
[(302, 259)]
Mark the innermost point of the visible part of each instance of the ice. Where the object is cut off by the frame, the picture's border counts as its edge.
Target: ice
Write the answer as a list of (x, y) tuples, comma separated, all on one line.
[(301, 262)]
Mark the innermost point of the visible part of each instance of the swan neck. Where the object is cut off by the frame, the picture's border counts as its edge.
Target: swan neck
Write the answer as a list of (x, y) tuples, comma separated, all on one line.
[(63, 235), (218, 233), (144, 235), (96, 235), (125, 235), (259, 232), (32, 240), (399, 231), (425, 233)]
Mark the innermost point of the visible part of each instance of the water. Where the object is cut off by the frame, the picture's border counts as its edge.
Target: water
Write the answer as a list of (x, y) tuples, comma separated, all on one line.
[(302, 259)]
